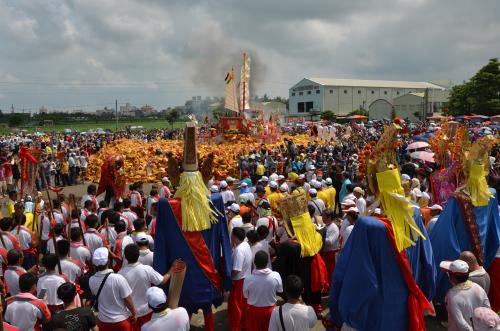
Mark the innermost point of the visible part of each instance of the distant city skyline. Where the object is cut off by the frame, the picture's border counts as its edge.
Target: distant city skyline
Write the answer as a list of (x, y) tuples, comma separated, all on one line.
[(86, 54)]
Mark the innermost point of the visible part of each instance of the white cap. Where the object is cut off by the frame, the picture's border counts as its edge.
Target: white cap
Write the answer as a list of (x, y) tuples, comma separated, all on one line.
[(235, 208), (100, 256), (244, 184), (164, 179), (302, 176), (455, 267), (280, 177), (405, 177), (426, 196), (316, 184), (230, 179), (214, 189), (312, 167), (359, 190), (274, 176), (141, 238), (156, 297), (273, 184), (284, 187), (264, 179), (313, 191), (377, 211), (351, 210), (223, 184), (436, 207), (328, 181)]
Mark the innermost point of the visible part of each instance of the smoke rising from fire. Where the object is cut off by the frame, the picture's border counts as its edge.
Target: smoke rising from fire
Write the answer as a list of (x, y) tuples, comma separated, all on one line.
[(211, 54)]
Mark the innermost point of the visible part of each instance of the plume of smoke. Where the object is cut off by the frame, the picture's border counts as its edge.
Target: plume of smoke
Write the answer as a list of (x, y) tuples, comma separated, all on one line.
[(210, 55)]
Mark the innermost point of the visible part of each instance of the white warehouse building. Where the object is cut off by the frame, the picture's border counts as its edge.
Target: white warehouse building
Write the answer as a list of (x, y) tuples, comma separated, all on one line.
[(313, 95)]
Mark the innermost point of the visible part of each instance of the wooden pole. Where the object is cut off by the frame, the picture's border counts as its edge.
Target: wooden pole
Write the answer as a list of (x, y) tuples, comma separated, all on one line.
[(72, 200)]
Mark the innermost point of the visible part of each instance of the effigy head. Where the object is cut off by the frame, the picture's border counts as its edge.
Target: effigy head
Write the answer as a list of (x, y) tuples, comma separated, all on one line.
[(197, 215), (384, 180)]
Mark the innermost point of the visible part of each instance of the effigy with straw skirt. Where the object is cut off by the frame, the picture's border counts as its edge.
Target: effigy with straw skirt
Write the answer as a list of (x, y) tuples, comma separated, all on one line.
[(470, 220), (192, 227)]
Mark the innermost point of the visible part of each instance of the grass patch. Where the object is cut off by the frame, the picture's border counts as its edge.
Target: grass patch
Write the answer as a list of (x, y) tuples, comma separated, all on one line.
[(148, 124)]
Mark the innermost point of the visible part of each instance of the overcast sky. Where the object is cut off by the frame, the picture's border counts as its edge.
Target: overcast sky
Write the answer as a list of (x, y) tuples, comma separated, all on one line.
[(87, 53)]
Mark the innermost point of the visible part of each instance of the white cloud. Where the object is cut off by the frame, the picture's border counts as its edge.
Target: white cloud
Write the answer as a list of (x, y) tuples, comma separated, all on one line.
[(163, 52)]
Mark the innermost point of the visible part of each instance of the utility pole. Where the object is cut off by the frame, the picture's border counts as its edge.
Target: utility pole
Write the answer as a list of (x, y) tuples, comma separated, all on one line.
[(116, 114)]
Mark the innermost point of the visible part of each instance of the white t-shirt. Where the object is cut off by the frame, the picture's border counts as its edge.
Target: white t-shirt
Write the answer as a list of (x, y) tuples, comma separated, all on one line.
[(146, 257), (297, 317), (51, 282), (80, 253), (318, 205), (23, 314), (461, 300), (11, 276), (112, 307), (140, 277), (332, 237), (346, 234), (361, 205), (260, 246), (261, 286), (112, 235), (175, 319), (227, 195), (268, 223), (50, 244), (242, 260), (235, 222), (93, 239), (71, 269)]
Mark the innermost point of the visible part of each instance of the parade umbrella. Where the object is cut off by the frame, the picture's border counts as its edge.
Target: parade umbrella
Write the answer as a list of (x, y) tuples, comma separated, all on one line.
[(417, 145), (424, 156)]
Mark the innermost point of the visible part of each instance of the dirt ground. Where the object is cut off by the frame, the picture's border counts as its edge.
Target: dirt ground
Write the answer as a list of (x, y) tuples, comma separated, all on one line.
[(221, 321)]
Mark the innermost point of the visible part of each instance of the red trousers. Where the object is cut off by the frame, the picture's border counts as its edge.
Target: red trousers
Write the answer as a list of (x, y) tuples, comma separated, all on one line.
[(140, 321), (258, 317), (494, 293), (329, 258), (122, 326), (237, 306)]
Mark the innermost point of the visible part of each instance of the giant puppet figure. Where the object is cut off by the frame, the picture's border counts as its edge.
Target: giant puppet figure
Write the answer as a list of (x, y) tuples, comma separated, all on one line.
[(193, 227), (470, 220), (300, 255), (373, 286), (112, 180)]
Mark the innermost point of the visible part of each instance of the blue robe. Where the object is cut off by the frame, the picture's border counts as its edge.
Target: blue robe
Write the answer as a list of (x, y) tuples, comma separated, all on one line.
[(170, 244), (450, 237), (421, 260), (368, 290)]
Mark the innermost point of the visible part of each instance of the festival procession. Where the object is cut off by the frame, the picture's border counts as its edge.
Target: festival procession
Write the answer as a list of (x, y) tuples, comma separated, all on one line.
[(337, 226), (360, 205)]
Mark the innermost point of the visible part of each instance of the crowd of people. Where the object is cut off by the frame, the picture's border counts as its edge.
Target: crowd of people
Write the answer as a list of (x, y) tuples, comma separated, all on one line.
[(90, 264)]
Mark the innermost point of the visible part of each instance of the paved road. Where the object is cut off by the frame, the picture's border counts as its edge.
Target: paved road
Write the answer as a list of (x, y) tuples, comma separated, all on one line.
[(221, 321)]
